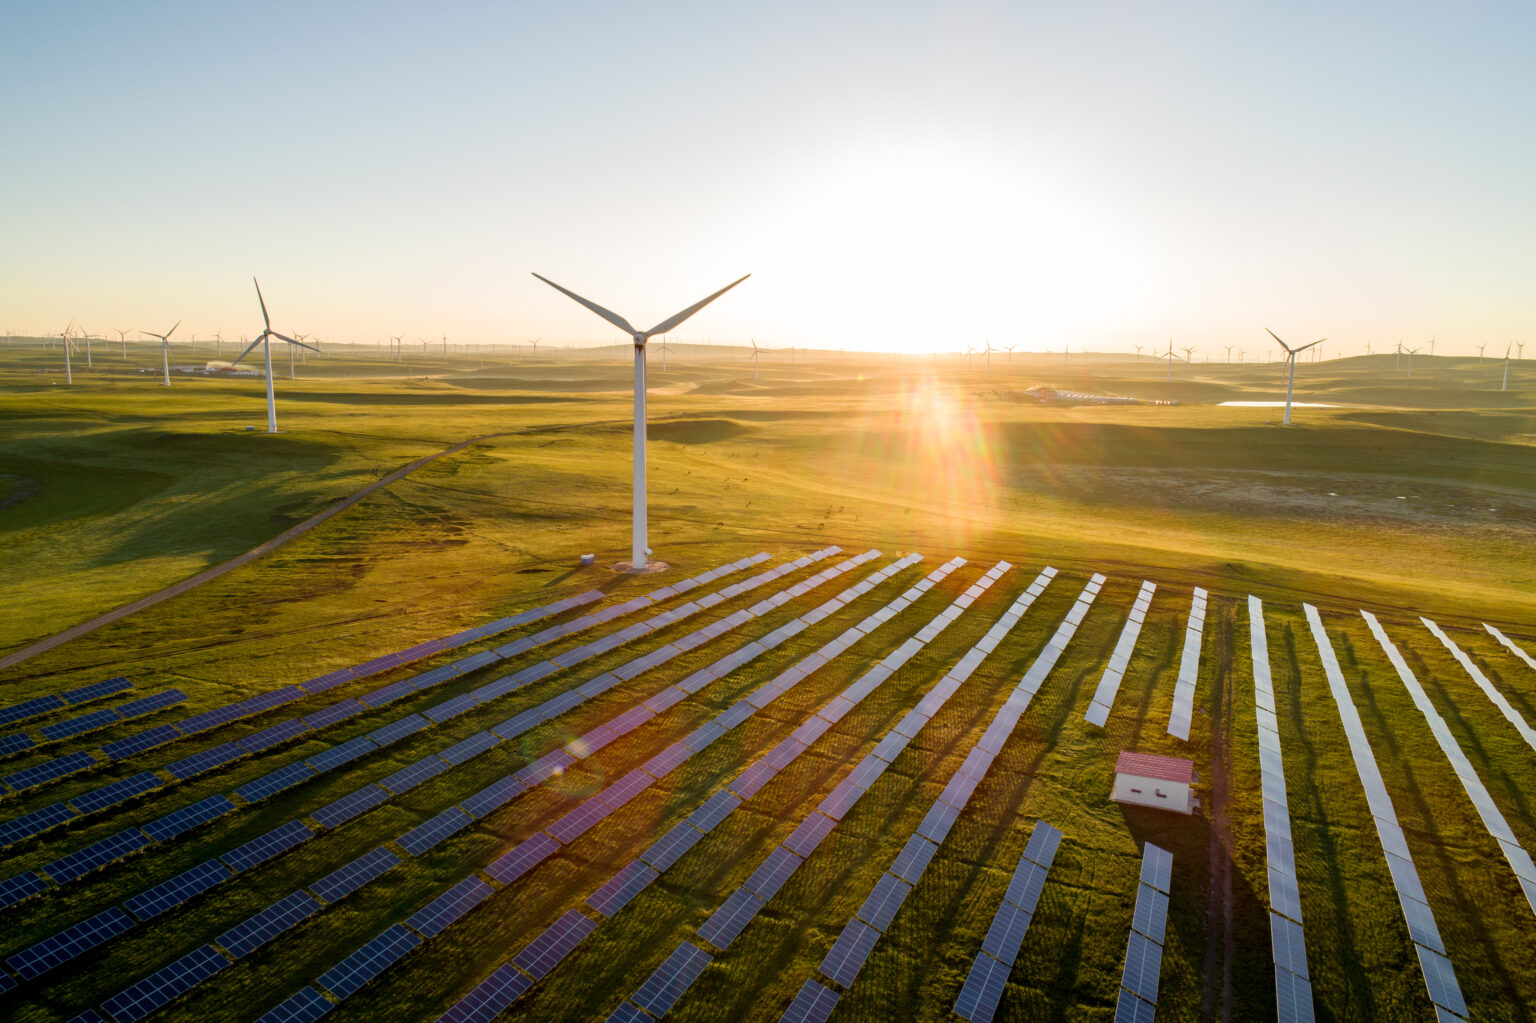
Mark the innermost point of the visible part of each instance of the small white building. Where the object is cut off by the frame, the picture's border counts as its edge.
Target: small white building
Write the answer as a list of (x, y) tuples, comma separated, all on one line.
[(1150, 780)]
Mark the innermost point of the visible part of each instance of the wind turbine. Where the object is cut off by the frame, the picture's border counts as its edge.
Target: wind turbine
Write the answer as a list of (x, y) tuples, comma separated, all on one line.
[(445, 344), (122, 339), (1290, 358), (535, 342), (968, 350), (1411, 353), (753, 357), (1503, 387), (989, 358), (395, 340), (165, 349), (69, 376), (1431, 346), (1138, 352), (1229, 354), (1169, 356), (1519, 349), (1188, 351), (1397, 361), (638, 548), (1010, 354), (265, 340), (665, 348), (1480, 354)]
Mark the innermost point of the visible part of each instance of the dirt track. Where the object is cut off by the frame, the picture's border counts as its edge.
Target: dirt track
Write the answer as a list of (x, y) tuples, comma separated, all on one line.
[(273, 544)]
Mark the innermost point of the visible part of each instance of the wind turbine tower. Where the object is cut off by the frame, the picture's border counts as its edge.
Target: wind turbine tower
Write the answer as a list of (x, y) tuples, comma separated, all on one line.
[(165, 349), (69, 376), (1480, 354), (1290, 358), (122, 339), (1503, 387), (1188, 353), (265, 340), (1411, 353), (1169, 356), (753, 357), (1138, 352), (1229, 354), (638, 548)]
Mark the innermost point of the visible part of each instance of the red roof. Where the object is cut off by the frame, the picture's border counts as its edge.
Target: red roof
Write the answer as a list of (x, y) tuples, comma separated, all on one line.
[(1148, 765)]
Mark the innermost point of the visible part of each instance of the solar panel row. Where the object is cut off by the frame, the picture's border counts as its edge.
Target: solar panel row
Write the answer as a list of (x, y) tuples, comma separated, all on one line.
[(1109, 683), (57, 701), (1439, 978), (1144, 945), (164, 986), (1481, 681), (1511, 646), (1182, 715)]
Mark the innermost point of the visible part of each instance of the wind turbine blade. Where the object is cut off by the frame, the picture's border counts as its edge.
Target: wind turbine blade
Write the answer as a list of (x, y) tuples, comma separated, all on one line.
[(253, 344), (267, 320), (1282, 343), (611, 317), (667, 326), (301, 344), (167, 335), (1317, 342)]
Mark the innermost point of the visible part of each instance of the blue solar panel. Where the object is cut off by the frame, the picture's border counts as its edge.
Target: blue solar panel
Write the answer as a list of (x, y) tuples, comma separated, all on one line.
[(913, 859), (34, 823), (1151, 915), (714, 810), (983, 989), (814, 1004), (883, 902), (150, 704), (274, 782), (941, 817), (451, 708), (522, 858), (574, 824), (303, 1006), (137, 743), (20, 886), (151, 902), (96, 855), (543, 953), (116, 792), (490, 997), (207, 760), (731, 918), (51, 770), (164, 986), (627, 1013), (805, 838), (663, 988), (188, 817), (1006, 933), (30, 709), (412, 775), (666, 850), (622, 887), (327, 716), (263, 847), (1043, 842), (261, 927), (1143, 963), (210, 719), (343, 882), (94, 691), (849, 951), (266, 701), (343, 979), (80, 725), (397, 730), (429, 833), (470, 747), (335, 814), (448, 907), (15, 743), (342, 754), (278, 733), (495, 795), (74, 941), (771, 874)]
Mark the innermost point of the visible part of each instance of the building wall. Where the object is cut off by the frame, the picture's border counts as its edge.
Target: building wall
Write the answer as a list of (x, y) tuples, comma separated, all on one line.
[(1175, 795)]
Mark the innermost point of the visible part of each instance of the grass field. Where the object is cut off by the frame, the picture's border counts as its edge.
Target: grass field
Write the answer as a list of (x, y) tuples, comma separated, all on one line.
[(1418, 496)]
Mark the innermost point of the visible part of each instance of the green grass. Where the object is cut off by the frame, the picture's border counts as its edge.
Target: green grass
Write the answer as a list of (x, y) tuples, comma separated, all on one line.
[(117, 488)]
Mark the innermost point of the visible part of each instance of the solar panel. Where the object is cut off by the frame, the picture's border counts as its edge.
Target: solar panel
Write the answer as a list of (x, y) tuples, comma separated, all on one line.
[(489, 998), (731, 918), (151, 902), (1290, 950), (165, 985), (206, 760), (150, 704), (545, 952), (263, 847), (353, 804), (1143, 962), (344, 753), (809, 834), (1156, 868), (1130, 1009), (188, 817), (96, 855), (1441, 980), (429, 833), (1006, 933), (69, 943), (94, 691), (344, 881), (576, 823), (1293, 997), (849, 951), (274, 782), (50, 770), (627, 1013), (983, 990), (34, 823), (264, 925), (21, 886), (813, 1004), (771, 874), (913, 859), (1151, 915), (76, 726), (1284, 897), (269, 737), (495, 795), (433, 918), (714, 810), (303, 1006), (941, 817), (30, 709), (397, 730), (663, 988), (879, 909), (522, 858), (622, 887), (666, 850), (336, 712), (343, 979)]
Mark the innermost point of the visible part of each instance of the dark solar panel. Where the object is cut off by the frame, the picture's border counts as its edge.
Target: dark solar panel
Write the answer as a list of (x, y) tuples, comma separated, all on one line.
[(663, 988), (327, 716), (627, 1013), (34, 823), (522, 858), (20, 886), (941, 817), (51, 770), (151, 902), (303, 1006), (666, 850), (809, 834), (344, 881), (165, 985), (1143, 963), (622, 887), (1006, 933), (1130, 1009), (397, 730), (94, 691), (913, 859), (489, 998), (1151, 915), (342, 754), (263, 847), (353, 804), (116, 792), (771, 874), (1293, 998), (343, 979), (448, 907), (714, 810), (15, 743), (849, 951), (264, 925), (983, 989), (150, 704), (429, 833), (275, 781), (30, 709), (473, 746), (1289, 947), (77, 726), (1156, 867), (188, 817), (96, 855), (35, 960), (731, 918), (207, 760), (269, 737), (884, 901), (545, 952), (1026, 884), (1441, 980), (578, 821), (139, 742), (1043, 842), (813, 1004), (495, 795)]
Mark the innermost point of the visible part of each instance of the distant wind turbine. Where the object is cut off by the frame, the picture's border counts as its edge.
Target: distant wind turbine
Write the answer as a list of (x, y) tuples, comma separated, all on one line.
[(1229, 354), (122, 339), (968, 350), (1431, 346), (265, 340), (1503, 387), (1411, 353), (666, 347), (1010, 354), (534, 341), (989, 358), (1519, 349), (165, 349), (69, 376), (1188, 353), (1138, 352), (1480, 354), (396, 342), (445, 342), (1169, 356), (1290, 358), (638, 548), (753, 357)]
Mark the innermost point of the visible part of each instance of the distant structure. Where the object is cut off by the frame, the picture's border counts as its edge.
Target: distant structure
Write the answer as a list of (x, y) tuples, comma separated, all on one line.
[(1290, 358), (1146, 779), (638, 549), (264, 339), (165, 350)]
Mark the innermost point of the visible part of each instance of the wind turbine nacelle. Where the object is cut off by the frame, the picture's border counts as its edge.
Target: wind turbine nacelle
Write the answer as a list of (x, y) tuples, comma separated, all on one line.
[(640, 340)]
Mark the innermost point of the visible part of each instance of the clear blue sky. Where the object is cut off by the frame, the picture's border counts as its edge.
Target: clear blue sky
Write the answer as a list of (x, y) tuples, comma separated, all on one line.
[(893, 174)]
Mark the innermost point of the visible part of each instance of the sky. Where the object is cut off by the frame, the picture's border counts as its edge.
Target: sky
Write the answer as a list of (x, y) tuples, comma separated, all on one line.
[(894, 176)]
